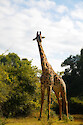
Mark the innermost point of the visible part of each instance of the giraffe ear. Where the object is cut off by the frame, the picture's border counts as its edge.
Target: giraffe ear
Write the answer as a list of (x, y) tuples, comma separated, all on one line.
[(35, 38), (43, 37)]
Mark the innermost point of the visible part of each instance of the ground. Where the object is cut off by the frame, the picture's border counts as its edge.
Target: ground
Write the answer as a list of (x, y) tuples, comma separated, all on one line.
[(78, 120)]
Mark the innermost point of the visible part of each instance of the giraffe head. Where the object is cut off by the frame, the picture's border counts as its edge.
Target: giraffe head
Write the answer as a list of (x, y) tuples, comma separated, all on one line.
[(39, 37)]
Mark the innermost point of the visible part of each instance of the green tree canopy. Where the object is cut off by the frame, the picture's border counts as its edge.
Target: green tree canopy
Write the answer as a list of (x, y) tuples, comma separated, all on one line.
[(74, 74), (18, 83)]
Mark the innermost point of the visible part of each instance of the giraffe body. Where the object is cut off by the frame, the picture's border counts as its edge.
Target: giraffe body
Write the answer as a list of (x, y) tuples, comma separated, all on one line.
[(51, 81)]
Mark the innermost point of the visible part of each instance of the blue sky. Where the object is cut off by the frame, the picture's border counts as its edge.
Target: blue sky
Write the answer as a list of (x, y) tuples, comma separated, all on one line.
[(68, 3), (60, 21)]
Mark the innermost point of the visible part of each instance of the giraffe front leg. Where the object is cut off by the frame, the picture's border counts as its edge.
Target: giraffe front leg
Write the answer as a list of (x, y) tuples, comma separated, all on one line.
[(42, 100), (49, 101)]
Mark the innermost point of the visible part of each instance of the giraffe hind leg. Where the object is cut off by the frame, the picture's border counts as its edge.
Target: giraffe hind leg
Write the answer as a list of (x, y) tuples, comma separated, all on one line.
[(60, 105), (67, 108), (65, 103), (59, 98)]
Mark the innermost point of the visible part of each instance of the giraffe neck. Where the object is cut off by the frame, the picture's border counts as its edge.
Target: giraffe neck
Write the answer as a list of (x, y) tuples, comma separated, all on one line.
[(42, 56)]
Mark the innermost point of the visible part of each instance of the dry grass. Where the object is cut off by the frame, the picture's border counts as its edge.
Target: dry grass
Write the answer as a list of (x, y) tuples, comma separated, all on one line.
[(78, 120), (78, 117)]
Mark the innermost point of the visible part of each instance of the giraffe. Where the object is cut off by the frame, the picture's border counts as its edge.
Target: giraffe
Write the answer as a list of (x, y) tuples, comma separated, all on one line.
[(50, 80)]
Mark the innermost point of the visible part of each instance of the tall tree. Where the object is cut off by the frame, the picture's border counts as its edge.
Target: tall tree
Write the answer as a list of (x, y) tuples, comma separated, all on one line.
[(73, 75)]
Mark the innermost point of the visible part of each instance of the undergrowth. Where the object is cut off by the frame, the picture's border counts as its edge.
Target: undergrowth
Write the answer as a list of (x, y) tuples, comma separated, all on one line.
[(2, 121)]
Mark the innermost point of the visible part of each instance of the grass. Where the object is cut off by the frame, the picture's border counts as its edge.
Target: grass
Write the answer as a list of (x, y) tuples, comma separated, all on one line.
[(78, 120)]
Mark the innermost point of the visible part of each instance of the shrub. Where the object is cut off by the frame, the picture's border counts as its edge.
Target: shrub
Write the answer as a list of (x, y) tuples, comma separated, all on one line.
[(2, 122), (76, 105)]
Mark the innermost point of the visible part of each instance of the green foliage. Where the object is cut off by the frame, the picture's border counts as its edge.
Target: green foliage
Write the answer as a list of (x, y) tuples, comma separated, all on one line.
[(2, 121), (73, 77), (4, 87), (18, 86), (78, 100), (76, 104)]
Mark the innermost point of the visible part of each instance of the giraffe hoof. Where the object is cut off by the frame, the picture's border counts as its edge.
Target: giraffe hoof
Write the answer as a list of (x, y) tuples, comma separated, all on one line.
[(60, 118), (39, 119)]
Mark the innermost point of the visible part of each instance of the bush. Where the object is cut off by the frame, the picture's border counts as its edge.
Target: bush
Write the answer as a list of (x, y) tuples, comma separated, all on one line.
[(18, 85), (76, 105), (2, 122)]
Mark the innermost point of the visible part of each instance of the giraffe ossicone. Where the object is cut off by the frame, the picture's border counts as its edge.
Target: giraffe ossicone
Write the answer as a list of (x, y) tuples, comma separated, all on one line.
[(51, 81), (39, 37)]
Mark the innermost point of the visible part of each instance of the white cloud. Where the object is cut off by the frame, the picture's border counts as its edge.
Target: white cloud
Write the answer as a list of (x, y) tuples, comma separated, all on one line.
[(61, 9), (78, 11), (20, 20), (41, 4)]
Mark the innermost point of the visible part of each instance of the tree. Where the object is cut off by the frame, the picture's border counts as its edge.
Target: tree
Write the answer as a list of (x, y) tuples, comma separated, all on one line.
[(73, 76), (4, 87), (22, 79)]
